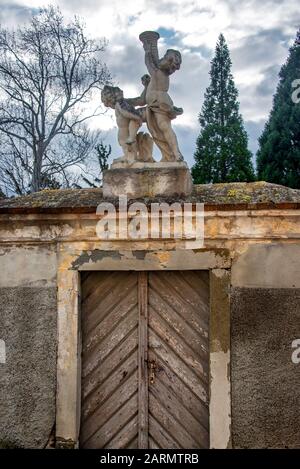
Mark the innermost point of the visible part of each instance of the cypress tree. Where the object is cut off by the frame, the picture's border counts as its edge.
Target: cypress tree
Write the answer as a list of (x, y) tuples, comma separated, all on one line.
[(222, 153), (278, 157)]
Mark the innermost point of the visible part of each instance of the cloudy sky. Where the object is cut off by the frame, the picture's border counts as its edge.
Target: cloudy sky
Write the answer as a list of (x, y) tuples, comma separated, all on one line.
[(258, 33)]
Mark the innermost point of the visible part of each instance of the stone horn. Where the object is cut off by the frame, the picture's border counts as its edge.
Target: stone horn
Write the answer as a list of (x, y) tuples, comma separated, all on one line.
[(149, 37)]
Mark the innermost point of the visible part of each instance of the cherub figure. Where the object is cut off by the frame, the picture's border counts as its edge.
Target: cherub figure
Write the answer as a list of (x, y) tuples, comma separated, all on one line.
[(136, 146), (129, 119), (160, 107)]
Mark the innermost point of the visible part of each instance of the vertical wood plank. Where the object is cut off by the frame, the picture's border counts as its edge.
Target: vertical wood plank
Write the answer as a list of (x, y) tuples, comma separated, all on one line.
[(142, 360)]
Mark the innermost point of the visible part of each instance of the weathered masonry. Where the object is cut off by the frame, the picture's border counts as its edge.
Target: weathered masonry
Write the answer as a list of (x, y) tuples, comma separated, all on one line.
[(145, 343)]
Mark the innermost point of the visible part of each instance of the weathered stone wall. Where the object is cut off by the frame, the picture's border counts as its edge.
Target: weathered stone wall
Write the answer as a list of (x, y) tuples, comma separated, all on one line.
[(257, 249), (28, 316), (265, 319)]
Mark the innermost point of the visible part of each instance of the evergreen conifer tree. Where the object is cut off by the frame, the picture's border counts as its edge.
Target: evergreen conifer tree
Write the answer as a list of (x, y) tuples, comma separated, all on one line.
[(222, 153), (278, 157)]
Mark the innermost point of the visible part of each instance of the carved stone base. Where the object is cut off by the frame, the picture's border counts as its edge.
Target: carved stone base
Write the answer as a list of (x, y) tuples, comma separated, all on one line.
[(148, 180)]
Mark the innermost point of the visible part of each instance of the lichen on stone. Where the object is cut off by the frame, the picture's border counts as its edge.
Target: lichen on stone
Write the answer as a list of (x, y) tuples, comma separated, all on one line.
[(211, 194)]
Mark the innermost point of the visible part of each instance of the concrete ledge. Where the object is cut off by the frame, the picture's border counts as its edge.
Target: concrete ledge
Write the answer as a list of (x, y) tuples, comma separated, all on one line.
[(147, 182), (149, 165)]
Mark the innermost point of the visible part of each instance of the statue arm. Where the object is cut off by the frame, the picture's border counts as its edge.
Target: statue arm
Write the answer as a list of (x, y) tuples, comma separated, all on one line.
[(151, 63), (138, 101), (128, 114)]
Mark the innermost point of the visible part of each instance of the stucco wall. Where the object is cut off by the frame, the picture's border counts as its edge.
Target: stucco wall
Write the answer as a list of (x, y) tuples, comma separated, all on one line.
[(28, 327), (265, 319), (259, 250)]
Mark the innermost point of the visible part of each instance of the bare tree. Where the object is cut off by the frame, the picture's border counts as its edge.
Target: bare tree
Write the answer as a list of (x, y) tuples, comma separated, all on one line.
[(64, 162), (50, 72)]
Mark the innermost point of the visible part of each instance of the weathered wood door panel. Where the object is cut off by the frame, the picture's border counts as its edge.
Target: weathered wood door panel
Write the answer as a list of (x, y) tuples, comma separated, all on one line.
[(145, 360), (178, 346), (109, 360)]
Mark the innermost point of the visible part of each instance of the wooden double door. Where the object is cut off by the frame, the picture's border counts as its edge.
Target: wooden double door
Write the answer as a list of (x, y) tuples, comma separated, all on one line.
[(145, 360)]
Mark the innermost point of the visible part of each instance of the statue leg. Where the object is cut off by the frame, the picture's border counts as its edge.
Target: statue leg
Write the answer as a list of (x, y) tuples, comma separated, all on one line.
[(129, 150), (133, 128), (164, 124)]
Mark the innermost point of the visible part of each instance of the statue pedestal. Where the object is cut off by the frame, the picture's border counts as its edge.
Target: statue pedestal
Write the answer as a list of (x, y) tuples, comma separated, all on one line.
[(147, 180)]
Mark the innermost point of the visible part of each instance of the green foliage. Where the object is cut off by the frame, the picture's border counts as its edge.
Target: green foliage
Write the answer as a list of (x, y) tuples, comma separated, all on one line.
[(222, 153), (102, 154), (278, 157)]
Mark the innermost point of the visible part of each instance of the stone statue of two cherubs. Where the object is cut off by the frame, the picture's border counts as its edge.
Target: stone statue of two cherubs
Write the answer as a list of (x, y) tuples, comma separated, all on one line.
[(154, 106)]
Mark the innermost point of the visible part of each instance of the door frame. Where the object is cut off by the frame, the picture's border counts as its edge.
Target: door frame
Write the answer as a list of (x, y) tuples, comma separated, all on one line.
[(72, 261)]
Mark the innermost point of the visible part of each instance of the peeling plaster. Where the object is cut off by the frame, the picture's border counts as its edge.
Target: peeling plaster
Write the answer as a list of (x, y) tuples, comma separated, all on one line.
[(220, 273), (163, 257), (94, 256), (220, 401), (27, 266), (140, 255), (278, 263)]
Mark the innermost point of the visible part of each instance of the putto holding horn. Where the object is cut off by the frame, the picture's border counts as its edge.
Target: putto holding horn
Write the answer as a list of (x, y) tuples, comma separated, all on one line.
[(154, 107)]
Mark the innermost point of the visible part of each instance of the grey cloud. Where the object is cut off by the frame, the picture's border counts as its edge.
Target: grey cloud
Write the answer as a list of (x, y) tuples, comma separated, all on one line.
[(165, 6), (254, 130), (203, 50), (188, 86), (261, 48), (262, 54), (199, 10), (82, 6), (126, 64), (14, 14), (253, 4), (254, 104), (268, 85), (187, 142)]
